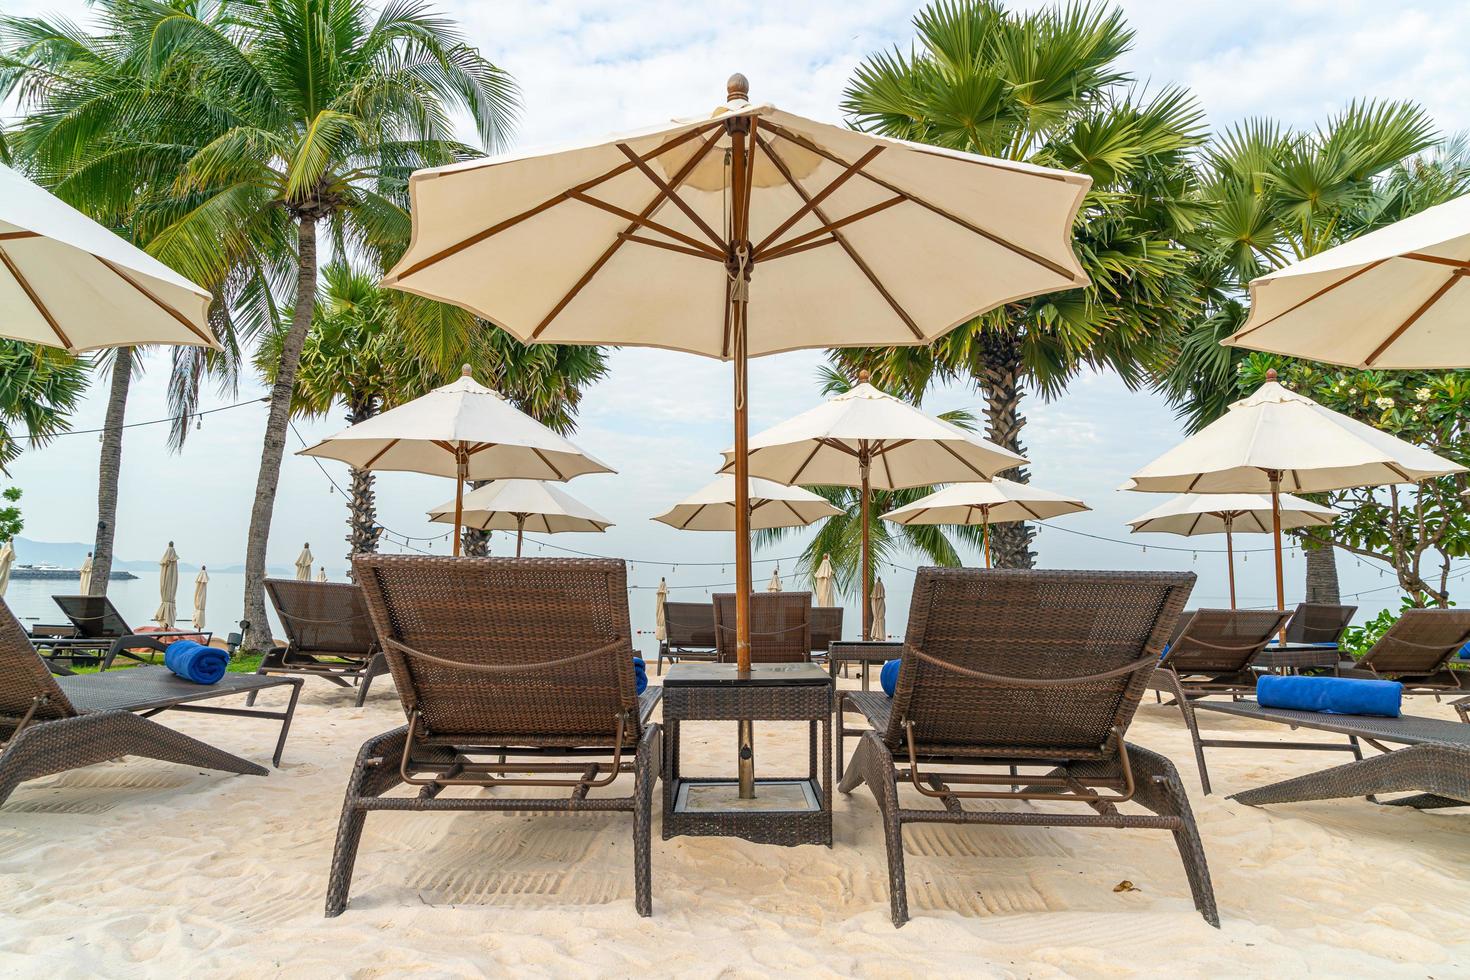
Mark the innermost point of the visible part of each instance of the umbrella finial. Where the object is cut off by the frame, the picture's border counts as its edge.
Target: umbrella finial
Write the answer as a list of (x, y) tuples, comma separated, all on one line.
[(863, 376), (737, 89), (464, 370), (1270, 374)]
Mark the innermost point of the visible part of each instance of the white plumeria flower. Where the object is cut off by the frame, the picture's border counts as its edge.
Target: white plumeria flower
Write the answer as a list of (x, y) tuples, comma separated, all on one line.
[(1384, 403), (1352, 391), (1423, 394)]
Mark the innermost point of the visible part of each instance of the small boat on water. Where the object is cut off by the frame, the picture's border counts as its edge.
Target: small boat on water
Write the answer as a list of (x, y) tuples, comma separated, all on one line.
[(46, 570)]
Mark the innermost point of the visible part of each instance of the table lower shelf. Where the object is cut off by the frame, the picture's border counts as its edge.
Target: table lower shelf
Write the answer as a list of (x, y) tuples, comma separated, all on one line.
[(786, 811)]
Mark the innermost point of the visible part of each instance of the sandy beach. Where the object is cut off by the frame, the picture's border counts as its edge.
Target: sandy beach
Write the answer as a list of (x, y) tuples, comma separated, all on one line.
[(136, 868)]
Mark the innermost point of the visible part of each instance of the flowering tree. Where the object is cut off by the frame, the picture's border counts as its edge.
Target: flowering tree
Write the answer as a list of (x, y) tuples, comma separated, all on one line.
[(1414, 530)]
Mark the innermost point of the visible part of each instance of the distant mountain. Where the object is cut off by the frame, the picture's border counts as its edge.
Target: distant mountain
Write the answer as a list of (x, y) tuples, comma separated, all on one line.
[(71, 554)]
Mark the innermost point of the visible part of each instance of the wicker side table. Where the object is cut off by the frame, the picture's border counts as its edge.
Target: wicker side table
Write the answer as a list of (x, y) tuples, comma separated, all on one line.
[(788, 810)]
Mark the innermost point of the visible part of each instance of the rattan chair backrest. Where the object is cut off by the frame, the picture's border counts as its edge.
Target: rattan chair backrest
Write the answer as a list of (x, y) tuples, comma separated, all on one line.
[(323, 617), (24, 678), (690, 625), (826, 627), (780, 627), (1221, 641), (1318, 622), (1422, 641), (94, 616)]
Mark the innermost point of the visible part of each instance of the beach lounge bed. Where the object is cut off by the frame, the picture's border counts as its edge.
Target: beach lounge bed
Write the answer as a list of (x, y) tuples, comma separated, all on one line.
[(1417, 651), (99, 626), (780, 627), (514, 673), (689, 630), (1434, 765), (55, 724), (1318, 622), (329, 634), (1211, 654), (826, 629), (1005, 669)]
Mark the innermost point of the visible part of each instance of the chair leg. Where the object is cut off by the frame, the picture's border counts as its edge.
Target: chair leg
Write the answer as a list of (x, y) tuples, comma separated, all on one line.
[(373, 669), (872, 763), (1192, 723), (1161, 790), (286, 722), (646, 771), (375, 772)]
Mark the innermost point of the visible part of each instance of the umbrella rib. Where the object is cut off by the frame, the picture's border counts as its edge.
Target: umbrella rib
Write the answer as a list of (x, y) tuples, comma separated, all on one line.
[(750, 142), (25, 287), (11, 236), (651, 225), (669, 192), (550, 202), (1194, 526), (846, 246), (379, 455), (549, 465), (183, 320), (1040, 260), (887, 469), (803, 240), (697, 253), (1445, 287), (602, 260), (690, 519), (810, 456), (968, 465), (1437, 259), (1324, 290), (785, 251), (811, 203), (1022, 504), (799, 519)]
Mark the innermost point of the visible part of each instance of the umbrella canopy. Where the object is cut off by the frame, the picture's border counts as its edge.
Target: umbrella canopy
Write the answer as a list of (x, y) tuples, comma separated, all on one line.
[(867, 439), (824, 582), (520, 506), (660, 611), (1227, 513), (66, 281), (712, 507), (878, 630), (303, 564), (168, 588), (7, 560), (774, 585), (85, 586), (996, 502), (1394, 298), (321, 574), (201, 595), (464, 431)]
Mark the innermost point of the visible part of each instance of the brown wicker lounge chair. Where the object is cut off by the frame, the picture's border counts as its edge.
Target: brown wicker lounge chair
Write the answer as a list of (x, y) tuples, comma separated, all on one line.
[(826, 628), (689, 631), (513, 673), (99, 626), (1318, 622), (1417, 651), (780, 627), (329, 634), (1210, 654), (1006, 668), (55, 724)]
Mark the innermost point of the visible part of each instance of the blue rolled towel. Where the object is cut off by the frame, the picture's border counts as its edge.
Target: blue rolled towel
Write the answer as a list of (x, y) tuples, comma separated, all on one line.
[(1330, 695), (640, 674), (196, 662), (888, 676), (1464, 653)]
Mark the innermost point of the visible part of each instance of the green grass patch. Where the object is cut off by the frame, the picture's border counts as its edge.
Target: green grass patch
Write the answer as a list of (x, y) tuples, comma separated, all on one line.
[(238, 664)]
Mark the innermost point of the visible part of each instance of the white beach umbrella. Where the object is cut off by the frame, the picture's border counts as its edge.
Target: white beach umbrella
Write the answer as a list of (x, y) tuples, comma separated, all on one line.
[(738, 233), (824, 582), (712, 506), (878, 630), (304, 562), (463, 431), (1229, 514), (85, 584), (201, 595), (168, 588), (321, 574), (1276, 440), (66, 281), (7, 560), (521, 506), (774, 585), (660, 611), (870, 440), (995, 502), (1394, 298)]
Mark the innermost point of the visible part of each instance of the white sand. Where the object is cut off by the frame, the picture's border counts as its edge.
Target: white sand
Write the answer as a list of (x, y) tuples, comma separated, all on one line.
[(137, 868)]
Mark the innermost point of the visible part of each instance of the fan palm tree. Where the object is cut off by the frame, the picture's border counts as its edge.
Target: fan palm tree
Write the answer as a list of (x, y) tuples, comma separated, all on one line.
[(1046, 88), (258, 124)]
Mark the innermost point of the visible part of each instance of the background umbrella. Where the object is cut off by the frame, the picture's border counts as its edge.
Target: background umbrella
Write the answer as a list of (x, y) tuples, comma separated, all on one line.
[(878, 629), (201, 594), (1229, 513), (712, 506), (774, 585), (85, 585), (1394, 298), (168, 588), (7, 559), (66, 281), (866, 439), (995, 502), (1277, 439), (521, 506), (303, 564), (660, 611), (321, 574), (824, 582), (463, 431)]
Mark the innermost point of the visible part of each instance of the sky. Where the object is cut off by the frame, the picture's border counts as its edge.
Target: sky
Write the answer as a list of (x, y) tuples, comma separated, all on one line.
[(588, 68)]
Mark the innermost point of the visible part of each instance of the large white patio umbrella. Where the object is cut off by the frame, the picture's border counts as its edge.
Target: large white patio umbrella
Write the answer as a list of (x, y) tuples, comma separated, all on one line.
[(1277, 439), (660, 611), (870, 440), (712, 506), (879, 612), (201, 596), (1395, 298), (774, 585), (7, 561), (168, 588), (66, 281), (84, 585), (463, 431), (824, 582), (1230, 513), (521, 506), (304, 562), (996, 502)]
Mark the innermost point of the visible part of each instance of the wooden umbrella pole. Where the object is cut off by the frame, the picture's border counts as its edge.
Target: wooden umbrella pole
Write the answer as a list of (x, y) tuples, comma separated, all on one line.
[(985, 533), (863, 466), (1230, 557), (520, 532), (1275, 476), (461, 460)]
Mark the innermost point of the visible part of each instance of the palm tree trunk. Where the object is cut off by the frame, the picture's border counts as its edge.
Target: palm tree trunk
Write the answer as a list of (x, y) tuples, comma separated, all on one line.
[(1322, 575), (362, 510), (474, 542), (257, 632), (1010, 544), (109, 469)]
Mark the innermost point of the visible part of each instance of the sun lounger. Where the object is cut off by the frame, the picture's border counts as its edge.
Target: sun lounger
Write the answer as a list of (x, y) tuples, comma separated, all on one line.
[(99, 626), (329, 634), (1004, 669), (514, 673), (1318, 622), (780, 627), (826, 628), (1435, 765), (1417, 651), (689, 628), (55, 724)]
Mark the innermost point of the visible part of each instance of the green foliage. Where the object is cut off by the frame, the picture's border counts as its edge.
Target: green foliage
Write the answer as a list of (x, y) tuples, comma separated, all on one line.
[(1358, 640), (39, 388), (11, 522)]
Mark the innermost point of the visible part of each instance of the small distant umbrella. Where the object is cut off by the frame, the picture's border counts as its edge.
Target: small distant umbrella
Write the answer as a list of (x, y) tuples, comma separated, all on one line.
[(660, 612), (520, 506), (995, 502), (880, 610), (321, 574), (168, 588), (774, 585), (201, 591), (86, 583), (7, 559), (824, 582), (712, 507), (304, 562)]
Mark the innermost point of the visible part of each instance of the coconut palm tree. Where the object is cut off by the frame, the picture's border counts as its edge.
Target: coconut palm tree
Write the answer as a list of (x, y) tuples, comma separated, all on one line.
[(1046, 88), (39, 388)]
